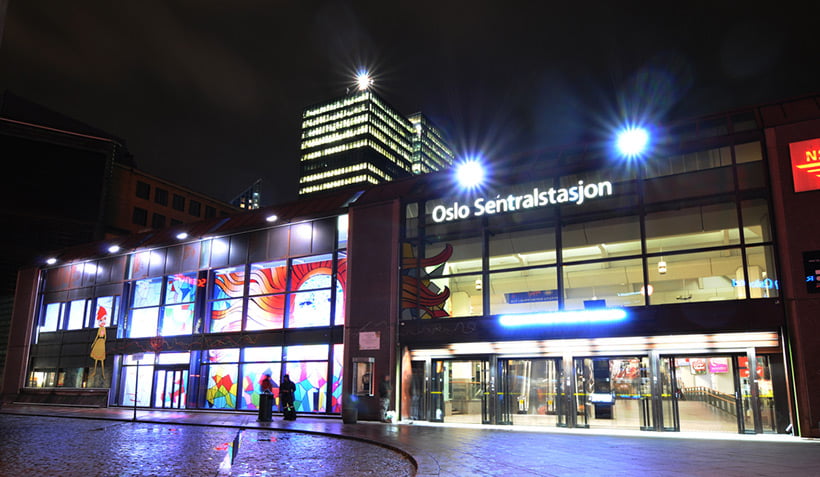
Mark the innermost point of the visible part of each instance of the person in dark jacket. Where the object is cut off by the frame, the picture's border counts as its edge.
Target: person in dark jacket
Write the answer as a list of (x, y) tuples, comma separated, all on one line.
[(287, 395), (385, 389)]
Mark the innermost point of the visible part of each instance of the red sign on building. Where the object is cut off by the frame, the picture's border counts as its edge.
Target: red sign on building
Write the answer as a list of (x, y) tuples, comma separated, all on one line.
[(805, 164)]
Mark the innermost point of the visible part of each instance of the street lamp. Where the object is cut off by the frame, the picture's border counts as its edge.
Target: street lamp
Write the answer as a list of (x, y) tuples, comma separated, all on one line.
[(632, 141), (470, 173), (363, 80)]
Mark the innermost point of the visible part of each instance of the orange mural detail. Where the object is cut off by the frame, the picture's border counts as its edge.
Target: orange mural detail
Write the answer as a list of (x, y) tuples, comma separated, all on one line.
[(420, 297)]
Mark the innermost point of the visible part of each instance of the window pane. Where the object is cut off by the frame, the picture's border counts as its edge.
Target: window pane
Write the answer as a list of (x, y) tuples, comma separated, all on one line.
[(268, 353), (177, 320), (617, 283), (143, 323), (694, 277), (269, 277), (601, 239), (336, 382), (342, 225), (266, 312), (223, 355), (229, 283), (761, 273), (524, 291), (51, 317), (522, 248), (311, 308), (748, 152), (756, 222), (463, 295), (221, 392), (226, 315), (339, 317), (251, 375), (457, 256), (181, 288), (76, 315), (173, 358), (106, 311), (147, 292), (310, 273), (696, 227), (311, 385), (306, 352)]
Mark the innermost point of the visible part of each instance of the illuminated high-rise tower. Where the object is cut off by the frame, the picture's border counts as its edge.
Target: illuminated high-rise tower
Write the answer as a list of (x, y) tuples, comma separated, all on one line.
[(360, 139)]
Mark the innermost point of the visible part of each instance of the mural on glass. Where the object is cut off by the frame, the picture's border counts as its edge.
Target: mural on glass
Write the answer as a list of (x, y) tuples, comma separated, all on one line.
[(222, 378), (420, 297), (226, 309)]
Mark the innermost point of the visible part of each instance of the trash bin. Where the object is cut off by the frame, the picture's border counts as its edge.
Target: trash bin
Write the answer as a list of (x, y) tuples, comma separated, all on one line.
[(265, 407)]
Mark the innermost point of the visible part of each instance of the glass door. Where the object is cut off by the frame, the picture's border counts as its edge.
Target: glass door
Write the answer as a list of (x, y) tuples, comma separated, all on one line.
[(701, 393), (670, 393), (418, 404), (170, 387), (609, 391), (459, 391), (533, 388)]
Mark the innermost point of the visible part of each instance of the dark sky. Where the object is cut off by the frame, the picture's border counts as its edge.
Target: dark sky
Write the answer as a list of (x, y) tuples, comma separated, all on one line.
[(209, 94)]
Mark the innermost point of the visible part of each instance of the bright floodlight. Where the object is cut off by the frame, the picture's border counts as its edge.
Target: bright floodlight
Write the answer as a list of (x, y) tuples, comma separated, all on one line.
[(470, 173), (363, 80), (632, 141)]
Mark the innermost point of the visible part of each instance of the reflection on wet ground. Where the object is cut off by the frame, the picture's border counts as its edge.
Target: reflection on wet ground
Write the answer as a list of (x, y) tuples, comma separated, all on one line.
[(33, 445)]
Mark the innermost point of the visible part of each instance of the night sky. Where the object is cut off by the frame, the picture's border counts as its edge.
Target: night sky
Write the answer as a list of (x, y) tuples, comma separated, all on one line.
[(209, 94)]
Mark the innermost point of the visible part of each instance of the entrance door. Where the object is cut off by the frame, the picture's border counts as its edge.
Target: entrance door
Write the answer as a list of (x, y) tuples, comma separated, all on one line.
[(532, 388), (170, 387), (608, 392), (700, 393), (458, 391)]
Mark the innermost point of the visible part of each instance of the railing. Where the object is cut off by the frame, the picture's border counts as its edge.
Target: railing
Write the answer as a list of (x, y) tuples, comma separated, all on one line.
[(720, 401)]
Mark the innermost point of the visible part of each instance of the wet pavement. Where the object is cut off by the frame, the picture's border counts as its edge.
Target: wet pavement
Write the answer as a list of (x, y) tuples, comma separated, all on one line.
[(40, 440)]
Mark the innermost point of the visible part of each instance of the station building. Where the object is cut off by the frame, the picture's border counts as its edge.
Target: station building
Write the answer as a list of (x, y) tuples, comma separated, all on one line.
[(576, 288)]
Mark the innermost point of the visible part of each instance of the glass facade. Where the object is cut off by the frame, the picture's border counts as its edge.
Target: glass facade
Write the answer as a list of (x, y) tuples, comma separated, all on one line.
[(197, 325), (659, 240), (684, 229)]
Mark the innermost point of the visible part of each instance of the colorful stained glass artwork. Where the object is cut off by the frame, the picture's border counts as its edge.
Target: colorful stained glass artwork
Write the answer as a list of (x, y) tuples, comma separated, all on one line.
[(266, 312), (226, 316), (251, 375), (177, 320), (147, 292), (311, 385), (263, 354), (229, 283), (310, 308), (336, 384), (224, 355), (268, 278), (181, 288), (221, 392)]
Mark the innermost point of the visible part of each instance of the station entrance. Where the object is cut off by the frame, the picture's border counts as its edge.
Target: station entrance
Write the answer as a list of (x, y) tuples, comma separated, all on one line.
[(650, 391)]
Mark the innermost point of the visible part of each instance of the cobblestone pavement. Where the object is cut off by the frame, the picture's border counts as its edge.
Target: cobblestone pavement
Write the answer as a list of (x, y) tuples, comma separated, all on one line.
[(33, 446), (373, 448)]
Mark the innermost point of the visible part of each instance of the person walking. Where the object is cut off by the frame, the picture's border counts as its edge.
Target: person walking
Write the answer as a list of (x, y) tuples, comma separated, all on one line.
[(385, 390), (287, 395)]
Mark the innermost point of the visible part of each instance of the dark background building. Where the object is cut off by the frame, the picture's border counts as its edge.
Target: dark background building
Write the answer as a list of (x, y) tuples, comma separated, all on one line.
[(69, 183)]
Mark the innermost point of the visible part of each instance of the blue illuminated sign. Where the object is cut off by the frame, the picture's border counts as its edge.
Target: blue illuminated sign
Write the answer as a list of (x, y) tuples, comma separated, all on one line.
[(602, 315), (766, 284)]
